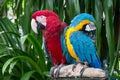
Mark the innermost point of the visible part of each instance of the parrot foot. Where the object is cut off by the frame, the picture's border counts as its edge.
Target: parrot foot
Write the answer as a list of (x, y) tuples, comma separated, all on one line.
[(83, 63), (56, 73), (52, 71), (86, 63), (74, 66), (83, 69), (58, 70)]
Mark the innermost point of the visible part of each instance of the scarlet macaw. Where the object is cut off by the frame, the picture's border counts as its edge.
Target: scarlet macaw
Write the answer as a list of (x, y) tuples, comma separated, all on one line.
[(52, 28)]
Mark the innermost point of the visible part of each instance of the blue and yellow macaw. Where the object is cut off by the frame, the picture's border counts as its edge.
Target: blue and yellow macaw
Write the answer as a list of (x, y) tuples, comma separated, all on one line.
[(77, 42)]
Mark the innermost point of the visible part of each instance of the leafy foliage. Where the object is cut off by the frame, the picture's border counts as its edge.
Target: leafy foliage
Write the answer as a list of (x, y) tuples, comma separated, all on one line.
[(21, 54)]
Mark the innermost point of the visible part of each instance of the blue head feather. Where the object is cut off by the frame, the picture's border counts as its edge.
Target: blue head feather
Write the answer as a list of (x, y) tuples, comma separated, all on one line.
[(83, 16)]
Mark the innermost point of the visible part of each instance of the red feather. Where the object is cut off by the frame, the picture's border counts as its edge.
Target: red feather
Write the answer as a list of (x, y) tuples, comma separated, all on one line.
[(52, 34), (52, 40), (46, 13)]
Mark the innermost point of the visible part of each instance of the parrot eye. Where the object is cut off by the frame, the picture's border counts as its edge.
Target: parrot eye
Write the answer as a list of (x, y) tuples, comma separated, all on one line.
[(41, 19)]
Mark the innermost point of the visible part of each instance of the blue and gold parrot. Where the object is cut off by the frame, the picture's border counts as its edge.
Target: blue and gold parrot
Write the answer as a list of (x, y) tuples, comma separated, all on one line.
[(78, 41)]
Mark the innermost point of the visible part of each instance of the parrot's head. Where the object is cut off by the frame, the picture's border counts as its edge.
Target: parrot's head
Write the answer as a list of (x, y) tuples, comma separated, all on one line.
[(41, 19), (86, 23)]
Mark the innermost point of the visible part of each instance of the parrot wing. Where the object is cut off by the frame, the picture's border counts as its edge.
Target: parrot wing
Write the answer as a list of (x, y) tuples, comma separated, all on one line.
[(84, 49), (65, 51), (45, 50)]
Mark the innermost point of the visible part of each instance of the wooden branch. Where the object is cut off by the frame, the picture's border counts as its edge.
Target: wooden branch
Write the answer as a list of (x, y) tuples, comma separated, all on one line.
[(74, 78), (66, 71)]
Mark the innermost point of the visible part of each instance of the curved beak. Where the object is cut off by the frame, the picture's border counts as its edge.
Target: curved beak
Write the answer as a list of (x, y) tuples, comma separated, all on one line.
[(35, 25), (40, 25)]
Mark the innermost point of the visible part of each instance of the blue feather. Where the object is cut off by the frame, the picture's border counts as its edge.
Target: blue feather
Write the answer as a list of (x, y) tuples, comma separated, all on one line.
[(84, 49), (83, 16), (65, 52)]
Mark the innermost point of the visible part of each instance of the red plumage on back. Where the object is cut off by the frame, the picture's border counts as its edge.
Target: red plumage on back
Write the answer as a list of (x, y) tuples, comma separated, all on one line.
[(51, 34)]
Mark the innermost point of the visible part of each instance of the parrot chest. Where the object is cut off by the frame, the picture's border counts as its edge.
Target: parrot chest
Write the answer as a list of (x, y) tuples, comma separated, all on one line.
[(54, 48)]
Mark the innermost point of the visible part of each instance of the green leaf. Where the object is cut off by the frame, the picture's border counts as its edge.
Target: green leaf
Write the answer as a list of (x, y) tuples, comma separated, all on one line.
[(27, 75), (72, 5), (87, 6), (26, 17), (3, 50), (12, 66), (118, 45), (23, 39), (32, 62), (49, 4), (10, 35), (7, 63), (2, 55), (108, 8), (98, 16), (18, 8), (32, 39), (47, 73)]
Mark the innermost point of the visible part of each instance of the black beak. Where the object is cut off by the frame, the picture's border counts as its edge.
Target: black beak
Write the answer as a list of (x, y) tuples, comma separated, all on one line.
[(92, 35), (40, 26)]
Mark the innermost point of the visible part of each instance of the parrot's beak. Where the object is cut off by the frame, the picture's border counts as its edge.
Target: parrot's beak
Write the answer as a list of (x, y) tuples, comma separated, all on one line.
[(36, 26), (40, 25)]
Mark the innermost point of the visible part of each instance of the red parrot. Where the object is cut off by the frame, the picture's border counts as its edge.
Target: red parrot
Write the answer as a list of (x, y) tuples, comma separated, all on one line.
[(52, 28)]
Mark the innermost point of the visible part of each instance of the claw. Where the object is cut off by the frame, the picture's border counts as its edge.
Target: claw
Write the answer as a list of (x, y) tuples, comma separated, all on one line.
[(58, 70), (74, 66), (86, 63), (82, 70), (52, 72)]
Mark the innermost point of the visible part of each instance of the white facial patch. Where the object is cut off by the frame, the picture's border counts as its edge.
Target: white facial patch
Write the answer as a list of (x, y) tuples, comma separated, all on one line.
[(34, 25), (41, 19), (90, 27)]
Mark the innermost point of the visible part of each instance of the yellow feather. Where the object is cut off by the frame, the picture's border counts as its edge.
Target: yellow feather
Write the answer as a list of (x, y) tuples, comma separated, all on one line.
[(67, 37), (69, 46), (81, 24)]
